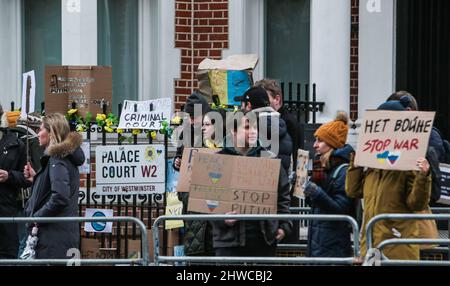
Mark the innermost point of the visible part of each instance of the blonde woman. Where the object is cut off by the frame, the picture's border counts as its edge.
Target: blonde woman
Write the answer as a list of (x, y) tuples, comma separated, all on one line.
[(56, 186)]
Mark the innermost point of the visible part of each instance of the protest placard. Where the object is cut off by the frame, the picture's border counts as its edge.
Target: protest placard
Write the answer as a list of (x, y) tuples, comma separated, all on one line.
[(301, 172), (28, 100), (222, 183), (173, 207), (186, 167), (87, 86), (445, 184), (393, 140), (130, 169), (86, 167), (148, 114)]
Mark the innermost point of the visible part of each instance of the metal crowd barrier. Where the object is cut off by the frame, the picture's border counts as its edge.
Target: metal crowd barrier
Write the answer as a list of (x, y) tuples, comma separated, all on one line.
[(227, 259), (74, 261), (382, 260)]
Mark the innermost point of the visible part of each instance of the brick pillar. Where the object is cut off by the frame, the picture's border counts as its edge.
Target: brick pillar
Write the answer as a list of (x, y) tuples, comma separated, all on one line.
[(201, 32), (354, 69)]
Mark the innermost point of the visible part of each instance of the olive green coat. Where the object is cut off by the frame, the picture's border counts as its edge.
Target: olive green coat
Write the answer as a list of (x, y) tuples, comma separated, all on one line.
[(390, 192)]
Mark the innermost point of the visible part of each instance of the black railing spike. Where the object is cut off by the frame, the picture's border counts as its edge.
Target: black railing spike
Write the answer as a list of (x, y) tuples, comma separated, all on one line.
[(12, 105)]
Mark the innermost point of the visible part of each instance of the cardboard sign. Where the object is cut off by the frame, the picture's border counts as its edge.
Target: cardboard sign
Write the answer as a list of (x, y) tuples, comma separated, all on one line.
[(445, 184), (87, 86), (393, 140), (301, 172), (223, 183), (173, 207), (98, 226), (32, 95), (130, 169), (148, 114), (186, 167), (90, 249), (226, 78)]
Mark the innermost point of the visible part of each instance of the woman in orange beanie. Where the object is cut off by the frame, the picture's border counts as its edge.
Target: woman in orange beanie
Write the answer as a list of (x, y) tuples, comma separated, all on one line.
[(325, 192)]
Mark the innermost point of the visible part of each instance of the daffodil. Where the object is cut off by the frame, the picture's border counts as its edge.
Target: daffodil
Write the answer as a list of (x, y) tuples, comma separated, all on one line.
[(109, 122), (100, 117), (153, 135), (109, 129), (119, 130), (72, 111), (176, 120), (81, 128), (136, 131)]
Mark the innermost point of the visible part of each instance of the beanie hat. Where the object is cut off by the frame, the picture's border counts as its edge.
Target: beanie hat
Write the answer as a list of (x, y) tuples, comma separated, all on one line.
[(12, 117), (335, 132), (193, 99), (396, 105)]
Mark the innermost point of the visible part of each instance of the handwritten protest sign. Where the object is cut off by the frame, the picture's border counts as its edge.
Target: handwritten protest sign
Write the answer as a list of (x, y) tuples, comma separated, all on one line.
[(301, 172), (87, 86), (222, 183), (29, 100), (148, 114), (130, 169), (173, 207), (186, 167), (393, 140)]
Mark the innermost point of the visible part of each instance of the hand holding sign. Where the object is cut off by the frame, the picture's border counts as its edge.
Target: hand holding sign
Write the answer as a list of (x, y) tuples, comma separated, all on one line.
[(423, 166)]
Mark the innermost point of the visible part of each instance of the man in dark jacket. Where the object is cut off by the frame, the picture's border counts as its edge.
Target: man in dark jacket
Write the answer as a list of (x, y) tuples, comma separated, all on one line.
[(251, 238), (12, 162), (256, 99)]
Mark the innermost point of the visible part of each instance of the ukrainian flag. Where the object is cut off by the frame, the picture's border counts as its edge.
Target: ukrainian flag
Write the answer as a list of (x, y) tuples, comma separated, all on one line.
[(227, 84)]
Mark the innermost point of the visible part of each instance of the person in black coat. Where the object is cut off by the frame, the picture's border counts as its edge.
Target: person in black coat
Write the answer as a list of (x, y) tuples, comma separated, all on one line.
[(56, 187), (256, 99)]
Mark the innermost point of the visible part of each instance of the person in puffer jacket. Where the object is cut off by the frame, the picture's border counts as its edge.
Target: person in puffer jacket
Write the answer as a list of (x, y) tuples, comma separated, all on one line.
[(256, 99), (325, 192)]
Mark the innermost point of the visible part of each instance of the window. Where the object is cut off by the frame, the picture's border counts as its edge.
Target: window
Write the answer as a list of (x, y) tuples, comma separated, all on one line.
[(118, 46), (287, 40), (42, 40)]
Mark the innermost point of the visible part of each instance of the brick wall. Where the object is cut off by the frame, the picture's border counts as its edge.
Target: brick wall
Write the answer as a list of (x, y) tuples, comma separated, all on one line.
[(354, 46), (201, 32)]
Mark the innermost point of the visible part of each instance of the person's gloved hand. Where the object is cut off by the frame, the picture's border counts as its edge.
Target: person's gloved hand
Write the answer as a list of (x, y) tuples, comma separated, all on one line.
[(310, 189)]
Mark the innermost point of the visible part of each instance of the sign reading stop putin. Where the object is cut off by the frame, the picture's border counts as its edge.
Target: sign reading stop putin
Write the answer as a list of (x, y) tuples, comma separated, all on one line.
[(130, 169)]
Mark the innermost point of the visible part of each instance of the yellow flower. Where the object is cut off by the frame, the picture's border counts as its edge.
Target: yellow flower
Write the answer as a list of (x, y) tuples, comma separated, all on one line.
[(136, 131), (236, 108), (176, 120), (119, 130), (101, 116), (72, 111), (109, 129), (108, 122), (153, 135), (81, 128)]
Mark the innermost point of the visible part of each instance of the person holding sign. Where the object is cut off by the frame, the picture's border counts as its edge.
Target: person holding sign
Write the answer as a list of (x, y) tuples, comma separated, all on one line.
[(391, 191), (325, 192), (12, 161), (251, 238), (56, 186), (197, 238)]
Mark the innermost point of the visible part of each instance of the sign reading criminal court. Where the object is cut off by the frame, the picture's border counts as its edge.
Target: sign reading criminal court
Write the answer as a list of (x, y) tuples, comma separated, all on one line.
[(148, 114), (221, 183), (130, 169), (393, 140), (87, 86)]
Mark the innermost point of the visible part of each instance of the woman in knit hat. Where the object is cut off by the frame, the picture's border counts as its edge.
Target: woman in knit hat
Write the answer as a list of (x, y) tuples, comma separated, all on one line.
[(325, 192)]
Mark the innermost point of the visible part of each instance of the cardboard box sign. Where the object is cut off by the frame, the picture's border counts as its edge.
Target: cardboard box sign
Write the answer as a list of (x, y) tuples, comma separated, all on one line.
[(301, 172), (222, 183), (393, 140), (87, 86), (186, 167), (226, 78)]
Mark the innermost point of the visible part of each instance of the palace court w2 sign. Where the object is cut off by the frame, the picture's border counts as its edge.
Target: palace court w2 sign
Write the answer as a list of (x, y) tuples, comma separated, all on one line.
[(393, 140), (130, 169)]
